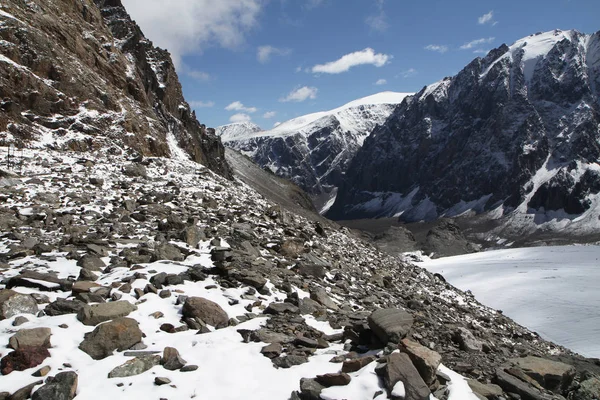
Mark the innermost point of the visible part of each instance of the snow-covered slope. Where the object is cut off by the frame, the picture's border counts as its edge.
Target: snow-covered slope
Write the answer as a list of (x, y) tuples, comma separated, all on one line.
[(314, 150), (552, 290), (515, 132), (236, 131)]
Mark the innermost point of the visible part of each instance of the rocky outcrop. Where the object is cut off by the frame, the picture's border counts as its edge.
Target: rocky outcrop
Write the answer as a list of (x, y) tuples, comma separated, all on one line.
[(108, 89), (515, 129)]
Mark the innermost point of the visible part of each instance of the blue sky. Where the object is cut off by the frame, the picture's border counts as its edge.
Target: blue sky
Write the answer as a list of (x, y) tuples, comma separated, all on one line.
[(271, 60)]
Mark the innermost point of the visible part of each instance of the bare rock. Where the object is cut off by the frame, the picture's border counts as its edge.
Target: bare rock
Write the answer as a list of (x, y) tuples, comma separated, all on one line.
[(97, 313), (390, 324), (424, 359), (119, 334), (62, 387), (13, 303), (36, 337), (208, 311)]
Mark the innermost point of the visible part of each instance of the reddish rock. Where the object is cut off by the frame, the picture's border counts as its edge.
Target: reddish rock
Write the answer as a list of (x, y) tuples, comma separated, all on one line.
[(23, 358)]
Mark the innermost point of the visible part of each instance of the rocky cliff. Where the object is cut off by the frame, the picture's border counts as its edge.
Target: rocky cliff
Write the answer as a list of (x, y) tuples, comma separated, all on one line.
[(516, 131), (80, 75)]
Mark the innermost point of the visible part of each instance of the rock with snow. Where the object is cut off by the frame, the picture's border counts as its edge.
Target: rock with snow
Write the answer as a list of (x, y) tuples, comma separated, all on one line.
[(35, 337), (23, 358), (97, 313), (207, 311), (119, 334), (13, 303), (63, 386), (399, 368), (135, 366)]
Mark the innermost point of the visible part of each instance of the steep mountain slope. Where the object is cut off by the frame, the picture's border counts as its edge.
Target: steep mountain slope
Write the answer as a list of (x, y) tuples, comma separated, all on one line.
[(80, 75), (517, 131), (314, 150)]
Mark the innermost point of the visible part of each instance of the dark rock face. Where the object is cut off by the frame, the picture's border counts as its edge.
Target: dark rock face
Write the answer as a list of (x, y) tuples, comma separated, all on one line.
[(477, 140), (96, 90)]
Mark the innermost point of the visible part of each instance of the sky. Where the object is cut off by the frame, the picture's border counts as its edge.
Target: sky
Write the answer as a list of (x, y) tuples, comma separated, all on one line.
[(268, 61)]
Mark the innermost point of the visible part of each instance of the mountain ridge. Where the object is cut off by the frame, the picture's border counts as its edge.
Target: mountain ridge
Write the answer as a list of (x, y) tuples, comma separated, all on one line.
[(489, 138)]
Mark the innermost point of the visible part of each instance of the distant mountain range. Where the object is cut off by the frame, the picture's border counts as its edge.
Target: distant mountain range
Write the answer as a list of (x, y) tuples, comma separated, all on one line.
[(313, 150), (516, 132)]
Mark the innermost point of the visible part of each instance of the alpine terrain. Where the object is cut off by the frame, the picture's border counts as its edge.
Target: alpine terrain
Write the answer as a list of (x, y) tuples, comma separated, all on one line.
[(314, 150), (138, 259), (514, 134)]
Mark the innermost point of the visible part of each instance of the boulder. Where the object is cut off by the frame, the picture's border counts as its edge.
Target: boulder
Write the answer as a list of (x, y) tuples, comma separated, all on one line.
[(208, 311), (488, 390), (61, 387), (23, 358), (511, 384), (334, 379), (97, 313), (390, 324), (119, 334), (424, 359), (272, 350), (552, 375), (13, 303), (281, 308), (36, 337), (135, 366), (63, 306), (320, 296), (588, 389), (310, 389), (399, 368), (167, 251), (91, 263), (84, 286), (466, 340), (171, 359), (357, 363), (289, 361)]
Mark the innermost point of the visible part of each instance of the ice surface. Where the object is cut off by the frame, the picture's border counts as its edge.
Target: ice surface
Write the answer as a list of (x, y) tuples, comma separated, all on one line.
[(550, 290)]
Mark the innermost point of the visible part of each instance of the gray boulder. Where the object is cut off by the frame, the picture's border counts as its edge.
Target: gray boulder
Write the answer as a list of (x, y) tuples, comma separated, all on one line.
[(31, 337), (97, 313), (399, 368), (135, 366), (119, 334), (390, 324), (61, 387), (13, 303), (208, 311)]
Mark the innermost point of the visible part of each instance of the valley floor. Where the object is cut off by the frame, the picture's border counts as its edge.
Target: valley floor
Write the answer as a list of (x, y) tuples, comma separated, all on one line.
[(551, 290)]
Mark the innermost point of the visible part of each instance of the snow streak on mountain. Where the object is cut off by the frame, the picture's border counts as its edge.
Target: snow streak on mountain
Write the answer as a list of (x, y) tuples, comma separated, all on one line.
[(516, 132), (314, 150)]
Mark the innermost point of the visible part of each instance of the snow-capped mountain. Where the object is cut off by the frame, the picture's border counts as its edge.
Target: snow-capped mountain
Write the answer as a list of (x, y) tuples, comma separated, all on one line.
[(314, 150), (237, 130), (516, 132)]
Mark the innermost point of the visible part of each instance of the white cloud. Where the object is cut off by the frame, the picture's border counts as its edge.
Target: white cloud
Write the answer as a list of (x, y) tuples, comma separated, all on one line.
[(195, 74), (481, 51), (240, 118), (193, 25), (485, 18), (314, 4), (238, 106), (269, 114), (381, 82), (300, 94), (477, 42), (264, 53), (436, 47), (408, 73), (366, 56), (202, 104), (378, 22)]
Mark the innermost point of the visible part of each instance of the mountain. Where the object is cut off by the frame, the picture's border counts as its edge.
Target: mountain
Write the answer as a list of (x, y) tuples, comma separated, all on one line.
[(516, 132), (106, 88), (237, 130), (314, 150)]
